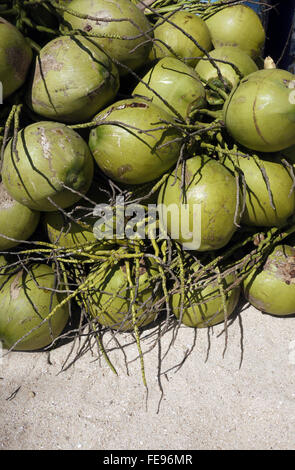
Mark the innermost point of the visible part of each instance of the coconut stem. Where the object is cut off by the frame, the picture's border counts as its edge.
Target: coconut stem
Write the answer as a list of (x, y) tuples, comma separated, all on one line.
[(134, 318), (6, 133)]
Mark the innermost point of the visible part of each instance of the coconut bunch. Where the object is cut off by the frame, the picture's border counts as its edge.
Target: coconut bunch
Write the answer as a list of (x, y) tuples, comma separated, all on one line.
[(147, 177)]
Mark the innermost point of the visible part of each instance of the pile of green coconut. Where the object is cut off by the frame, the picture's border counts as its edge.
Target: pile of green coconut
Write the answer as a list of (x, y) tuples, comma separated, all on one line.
[(147, 168)]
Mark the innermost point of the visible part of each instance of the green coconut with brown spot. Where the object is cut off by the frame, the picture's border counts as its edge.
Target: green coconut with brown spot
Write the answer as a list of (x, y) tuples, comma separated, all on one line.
[(110, 300), (177, 83), (269, 194), (204, 306), (259, 113), (73, 79), (27, 299), (237, 26), (15, 58), (121, 29), (200, 206), (50, 167), (271, 289), (176, 32), (17, 222), (136, 147)]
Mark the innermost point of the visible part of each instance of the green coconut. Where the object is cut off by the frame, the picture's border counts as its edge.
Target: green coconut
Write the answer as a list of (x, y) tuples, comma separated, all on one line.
[(4, 269), (73, 79), (51, 161), (111, 298), (175, 32), (259, 113), (17, 221), (3, 262), (200, 210), (270, 199), (27, 298), (75, 228), (239, 59), (203, 306), (115, 20), (124, 151), (272, 288), (176, 82), (237, 26), (67, 233), (15, 58)]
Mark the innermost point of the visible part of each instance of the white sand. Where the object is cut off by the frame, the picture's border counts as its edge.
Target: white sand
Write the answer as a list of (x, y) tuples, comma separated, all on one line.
[(209, 403)]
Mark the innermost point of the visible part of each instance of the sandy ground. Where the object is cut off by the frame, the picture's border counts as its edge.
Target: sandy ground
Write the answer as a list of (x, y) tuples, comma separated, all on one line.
[(242, 400)]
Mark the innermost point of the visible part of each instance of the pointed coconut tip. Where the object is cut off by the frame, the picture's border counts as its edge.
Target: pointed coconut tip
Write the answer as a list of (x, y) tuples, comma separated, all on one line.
[(269, 63)]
